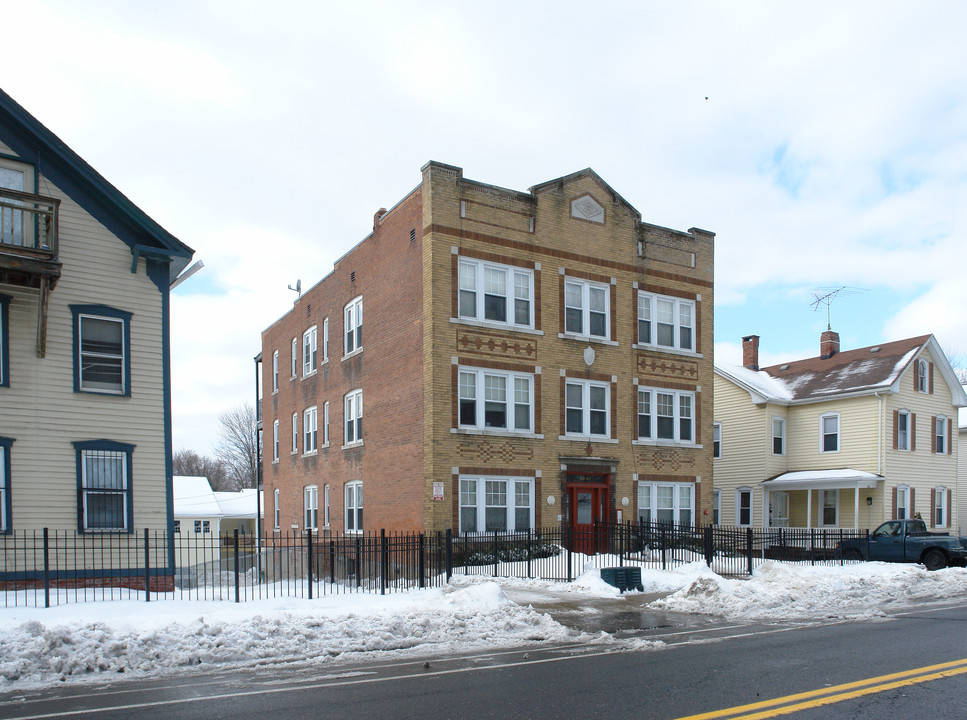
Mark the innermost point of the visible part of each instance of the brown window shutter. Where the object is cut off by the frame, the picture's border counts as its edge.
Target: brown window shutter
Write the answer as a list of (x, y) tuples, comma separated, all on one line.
[(894, 504), (950, 435), (916, 377), (949, 498), (913, 432), (896, 435), (933, 434), (931, 379), (933, 504), (913, 503)]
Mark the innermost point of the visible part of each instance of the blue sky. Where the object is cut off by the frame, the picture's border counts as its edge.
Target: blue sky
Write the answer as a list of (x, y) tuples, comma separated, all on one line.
[(824, 143)]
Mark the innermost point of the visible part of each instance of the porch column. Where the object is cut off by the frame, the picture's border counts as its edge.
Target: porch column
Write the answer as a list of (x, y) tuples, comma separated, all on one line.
[(856, 507), (809, 508), (766, 503)]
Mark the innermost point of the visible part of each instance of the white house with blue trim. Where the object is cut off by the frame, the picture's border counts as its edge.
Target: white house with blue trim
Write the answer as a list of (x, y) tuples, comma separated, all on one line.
[(85, 368)]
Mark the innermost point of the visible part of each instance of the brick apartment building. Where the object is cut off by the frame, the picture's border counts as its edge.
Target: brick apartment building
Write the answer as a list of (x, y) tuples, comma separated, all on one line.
[(529, 359)]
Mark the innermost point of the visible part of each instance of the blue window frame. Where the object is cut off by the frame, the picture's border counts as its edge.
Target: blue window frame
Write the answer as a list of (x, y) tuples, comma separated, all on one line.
[(6, 516), (4, 341), (104, 494), (102, 350)]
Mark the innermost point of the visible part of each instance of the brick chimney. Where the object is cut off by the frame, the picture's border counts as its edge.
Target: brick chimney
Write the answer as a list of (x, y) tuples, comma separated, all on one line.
[(750, 352), (828, 344), (378, 216)]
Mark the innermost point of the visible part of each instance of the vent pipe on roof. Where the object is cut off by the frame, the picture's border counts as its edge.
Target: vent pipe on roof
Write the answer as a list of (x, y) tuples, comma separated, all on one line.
[(828, 344), (750, 352)]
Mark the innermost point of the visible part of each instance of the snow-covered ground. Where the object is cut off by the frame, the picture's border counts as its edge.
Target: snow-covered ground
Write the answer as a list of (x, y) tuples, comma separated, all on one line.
[(100, 640)]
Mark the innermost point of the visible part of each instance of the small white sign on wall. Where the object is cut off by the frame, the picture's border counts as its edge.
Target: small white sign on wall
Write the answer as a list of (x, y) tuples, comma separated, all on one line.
[(438, 491)]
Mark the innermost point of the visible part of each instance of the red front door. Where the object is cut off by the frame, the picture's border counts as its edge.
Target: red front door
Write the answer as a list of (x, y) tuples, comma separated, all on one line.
[(588, 505)]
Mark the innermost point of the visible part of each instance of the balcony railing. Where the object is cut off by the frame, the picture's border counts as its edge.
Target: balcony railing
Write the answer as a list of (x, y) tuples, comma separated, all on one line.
[(28, 224)]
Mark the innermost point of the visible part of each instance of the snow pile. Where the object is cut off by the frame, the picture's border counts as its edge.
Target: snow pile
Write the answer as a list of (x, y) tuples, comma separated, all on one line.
[(93, 640), (780, 591)]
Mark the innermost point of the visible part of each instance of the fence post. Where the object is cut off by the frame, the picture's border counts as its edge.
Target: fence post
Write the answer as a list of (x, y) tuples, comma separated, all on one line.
[(708, 545), (841, 545), (449, 553), (235, 549), (529, 532), (662, 532), (383, 561), (812, 546), (147, 568), (422, 560), (332, 561), (496, 554), (748, 547), (309, 559), (570, 542), (867, 533), (621, 545), (46, 568)]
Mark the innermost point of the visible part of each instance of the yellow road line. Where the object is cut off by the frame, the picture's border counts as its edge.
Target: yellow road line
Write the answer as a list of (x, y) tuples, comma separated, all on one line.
[(837, 693)]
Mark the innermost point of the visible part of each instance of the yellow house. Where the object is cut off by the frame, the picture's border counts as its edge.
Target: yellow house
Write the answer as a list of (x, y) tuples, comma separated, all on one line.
[(843, 440)]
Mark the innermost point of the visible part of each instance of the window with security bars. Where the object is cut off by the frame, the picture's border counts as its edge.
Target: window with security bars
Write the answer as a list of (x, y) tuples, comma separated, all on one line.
[(104, 490)]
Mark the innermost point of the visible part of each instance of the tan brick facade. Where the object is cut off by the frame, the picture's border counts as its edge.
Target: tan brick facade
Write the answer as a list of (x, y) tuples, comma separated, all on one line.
[(419, 347)]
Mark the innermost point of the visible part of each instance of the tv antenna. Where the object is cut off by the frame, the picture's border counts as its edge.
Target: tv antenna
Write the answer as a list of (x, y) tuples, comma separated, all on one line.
[(825, 296), (297, 288)]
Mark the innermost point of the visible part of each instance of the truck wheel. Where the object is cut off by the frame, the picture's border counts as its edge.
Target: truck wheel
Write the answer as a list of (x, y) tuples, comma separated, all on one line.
[(934, 560)]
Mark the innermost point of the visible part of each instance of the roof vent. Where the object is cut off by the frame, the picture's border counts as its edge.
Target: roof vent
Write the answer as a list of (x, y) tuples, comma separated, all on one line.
[(352, 276), (875, 349), (783, 367)]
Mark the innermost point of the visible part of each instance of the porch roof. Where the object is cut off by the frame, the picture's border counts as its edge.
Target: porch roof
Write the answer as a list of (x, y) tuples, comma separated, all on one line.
[(822, 479)]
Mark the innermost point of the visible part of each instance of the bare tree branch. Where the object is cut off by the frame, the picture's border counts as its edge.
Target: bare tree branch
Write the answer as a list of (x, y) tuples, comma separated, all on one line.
[(188, 462), (236, 447)]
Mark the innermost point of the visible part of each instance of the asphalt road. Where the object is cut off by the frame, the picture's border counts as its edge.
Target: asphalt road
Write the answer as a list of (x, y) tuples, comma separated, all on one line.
[(912, 664)]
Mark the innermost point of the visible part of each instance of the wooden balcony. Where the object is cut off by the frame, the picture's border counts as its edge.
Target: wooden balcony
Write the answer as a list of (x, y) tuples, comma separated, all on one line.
[(28, 248)]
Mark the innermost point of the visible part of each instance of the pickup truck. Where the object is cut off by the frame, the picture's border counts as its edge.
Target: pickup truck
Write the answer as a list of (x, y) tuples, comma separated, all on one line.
[(906, 541)]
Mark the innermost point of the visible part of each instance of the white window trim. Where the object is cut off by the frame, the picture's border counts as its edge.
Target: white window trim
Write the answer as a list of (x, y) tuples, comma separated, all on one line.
[(716, 507), (478, 318), (295, 358), (325, 424), (295, 433), (586, 286), (782, 434), (275, 441), (325, 341), (480, 401), (738, 506), (651, 490), (940, 431), (481, 502), (717, 434), (652, 302), (310, 507), (275, 372), (91, 386), (586, 386), (326, 505), (310, 342), (354, 508), (940, 501), (353, 413), (839, 433), (352, 313), (310, 424), (905, 505), (903, 446), (822, 508), (276, 509), (923, 376), (676, 417)]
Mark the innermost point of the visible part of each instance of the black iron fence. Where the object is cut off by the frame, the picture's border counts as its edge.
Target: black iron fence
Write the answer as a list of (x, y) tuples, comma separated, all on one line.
[(55, 567)]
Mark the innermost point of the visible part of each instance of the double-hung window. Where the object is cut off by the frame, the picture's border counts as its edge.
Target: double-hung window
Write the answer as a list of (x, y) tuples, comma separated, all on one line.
[(309, 340), (354, 506), (940, 435), (4, 341), (275, 371), (940, 508), (310, 421), (104, 486), (295, 356), (496, 400), (276, 509), (666, 415), (587, 408), (325, 340), (295, 433), (829, 432), (666, 321), (311, 503), (587, 309), (325, 506), (743, 507), (354, 417), (668, 503), (716, 439), (325, 424), (353, 315), (902, 502), (830, 508), (5, 512), (102, 357), (496, 504), (778, 436), (496, 293), (903, 430), (275, 441)]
